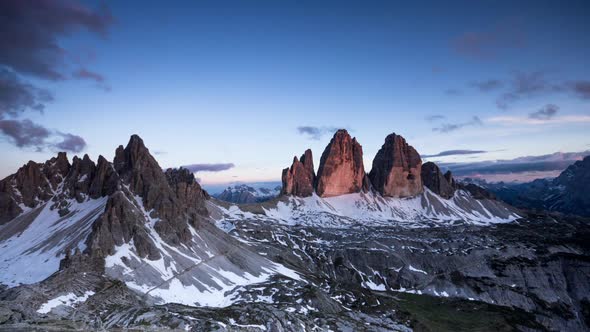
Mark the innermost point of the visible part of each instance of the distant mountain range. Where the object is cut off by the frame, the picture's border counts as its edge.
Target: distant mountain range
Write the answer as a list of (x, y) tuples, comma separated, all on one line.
[(244, 194), (568, 193)]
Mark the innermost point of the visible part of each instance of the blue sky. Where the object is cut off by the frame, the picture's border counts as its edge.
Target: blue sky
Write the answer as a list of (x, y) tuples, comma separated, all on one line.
[(232, 81)]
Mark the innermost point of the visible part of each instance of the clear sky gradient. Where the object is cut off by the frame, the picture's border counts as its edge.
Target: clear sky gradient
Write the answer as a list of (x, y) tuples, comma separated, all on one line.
[(206, 82)]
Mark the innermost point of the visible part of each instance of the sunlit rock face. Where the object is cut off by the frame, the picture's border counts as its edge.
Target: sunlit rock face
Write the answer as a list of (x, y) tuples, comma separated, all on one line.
[(397, 169), (298, 180), (341, 168)]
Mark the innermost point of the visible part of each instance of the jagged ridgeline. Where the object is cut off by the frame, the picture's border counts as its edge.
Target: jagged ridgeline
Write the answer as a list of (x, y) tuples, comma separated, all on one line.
[(126, 244), (129, 220)]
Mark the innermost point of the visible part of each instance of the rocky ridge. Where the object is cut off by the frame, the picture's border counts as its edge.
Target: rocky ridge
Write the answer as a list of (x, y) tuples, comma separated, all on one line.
[(397, 172), (127, 219)]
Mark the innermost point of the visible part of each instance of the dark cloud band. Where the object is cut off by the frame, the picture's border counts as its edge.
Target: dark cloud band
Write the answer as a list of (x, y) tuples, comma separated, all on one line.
[(551, 162), (27, 134), (209, 167)]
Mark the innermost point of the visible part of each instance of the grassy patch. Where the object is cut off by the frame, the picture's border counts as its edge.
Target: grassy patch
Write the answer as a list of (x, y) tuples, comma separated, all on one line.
[(428, 313)]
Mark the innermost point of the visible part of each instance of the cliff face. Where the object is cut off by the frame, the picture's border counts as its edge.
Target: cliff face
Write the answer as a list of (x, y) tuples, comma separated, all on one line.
[(341, 168), (299, 179), (433, 179), (397, 169), (33, 184)]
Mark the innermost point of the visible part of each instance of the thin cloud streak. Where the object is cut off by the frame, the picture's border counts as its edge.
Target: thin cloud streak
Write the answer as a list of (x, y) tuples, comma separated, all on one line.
[(435, 117), (453, 153), (209, 167), (450, 127), (488, 85), (519, 120), (316, 133)]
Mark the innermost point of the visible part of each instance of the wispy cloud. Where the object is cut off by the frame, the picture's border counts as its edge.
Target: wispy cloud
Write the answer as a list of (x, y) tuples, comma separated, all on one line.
[(487, 44), (519, 120), (545, 113), (526, 85), (453, 153), (450, 127), (488, 85), (85, 74), (316, 133), (453, 92), (435, 117), (580, 88), (70, 142), (209, 167)]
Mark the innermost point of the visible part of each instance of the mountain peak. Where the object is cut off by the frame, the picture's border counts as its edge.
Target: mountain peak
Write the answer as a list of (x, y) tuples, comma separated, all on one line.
[(397, 168), (135, 140), (341, 168), (134, 155)]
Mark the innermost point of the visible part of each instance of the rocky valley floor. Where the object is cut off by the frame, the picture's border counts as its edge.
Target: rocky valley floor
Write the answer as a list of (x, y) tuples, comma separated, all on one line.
[(531, 274)]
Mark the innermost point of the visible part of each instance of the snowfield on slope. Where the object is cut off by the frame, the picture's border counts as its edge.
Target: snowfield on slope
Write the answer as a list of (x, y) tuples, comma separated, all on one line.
[(369, 209), (32, 244), (200, 273)]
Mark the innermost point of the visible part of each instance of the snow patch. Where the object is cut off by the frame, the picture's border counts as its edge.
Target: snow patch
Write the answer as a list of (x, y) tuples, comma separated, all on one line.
[(66, 300), (417, 270)]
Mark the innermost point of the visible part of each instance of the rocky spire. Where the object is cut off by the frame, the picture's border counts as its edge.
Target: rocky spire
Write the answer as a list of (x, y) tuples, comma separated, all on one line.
[(80, 177), (299, 179), (138, 168), (56, 169), (449, 177), (105, 181), (341, 168), (434, 180), (396, 169)]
